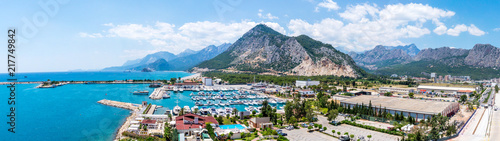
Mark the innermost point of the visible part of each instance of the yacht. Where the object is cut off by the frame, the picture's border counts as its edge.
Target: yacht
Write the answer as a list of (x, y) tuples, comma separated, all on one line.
[(140, 92), (186, 109), (181, 89), (165, 95), (155, 85), (194, 108), (175, 89), (176, 110)]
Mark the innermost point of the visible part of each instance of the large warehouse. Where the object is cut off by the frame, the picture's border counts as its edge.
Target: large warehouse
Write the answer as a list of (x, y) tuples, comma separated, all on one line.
[(418, 109)]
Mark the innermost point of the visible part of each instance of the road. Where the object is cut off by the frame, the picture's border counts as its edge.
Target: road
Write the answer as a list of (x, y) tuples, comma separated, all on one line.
[(494, 133)]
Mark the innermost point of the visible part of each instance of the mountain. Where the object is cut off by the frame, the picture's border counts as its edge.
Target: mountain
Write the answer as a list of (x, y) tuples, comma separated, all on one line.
[(382, 56), (480, 62), (209, 52), (167, 61), (158, 65), (263, 49), (484, 55), (186, 52), (410, 49)]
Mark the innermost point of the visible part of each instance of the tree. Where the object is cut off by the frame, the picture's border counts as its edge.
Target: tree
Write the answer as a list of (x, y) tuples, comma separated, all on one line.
[(338, 133), (220, 120), (411, 95), (333, 131), (388, 94), (167, 132), (310, 127), (210, 130), (352, 136), (369, 136), (175, 135), (463, 98), (496, 88), (196, 110), (324, 128), (292, 120), (332, 115), (181, 112)]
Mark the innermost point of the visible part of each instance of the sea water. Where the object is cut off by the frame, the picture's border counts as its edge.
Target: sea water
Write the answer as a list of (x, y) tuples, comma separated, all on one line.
[(71, 112)]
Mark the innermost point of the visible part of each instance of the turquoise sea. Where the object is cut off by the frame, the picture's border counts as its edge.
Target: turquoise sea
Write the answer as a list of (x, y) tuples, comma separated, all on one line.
[(71, 112)]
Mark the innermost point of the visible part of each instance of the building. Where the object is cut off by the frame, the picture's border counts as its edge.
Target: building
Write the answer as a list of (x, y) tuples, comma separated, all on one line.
[(188, 84), (307, 93), (191, 123), (419, 109), (151, 124), (396, 90), (262, 122), (243, 114), (207, 81), (439, 89), (301, 83)]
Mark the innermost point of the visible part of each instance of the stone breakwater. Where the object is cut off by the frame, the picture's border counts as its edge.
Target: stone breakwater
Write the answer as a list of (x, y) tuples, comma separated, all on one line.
[(123, 105)]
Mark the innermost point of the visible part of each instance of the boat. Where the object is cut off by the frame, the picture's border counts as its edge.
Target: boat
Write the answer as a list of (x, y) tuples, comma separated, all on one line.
[(155, 85), (175, 89), (186, 109), (140, 92), (176, 110), (165, 95), (194, 108), (181, 89)]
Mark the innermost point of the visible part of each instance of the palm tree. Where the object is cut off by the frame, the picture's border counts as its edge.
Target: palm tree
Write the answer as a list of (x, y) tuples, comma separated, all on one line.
[(235, 111)]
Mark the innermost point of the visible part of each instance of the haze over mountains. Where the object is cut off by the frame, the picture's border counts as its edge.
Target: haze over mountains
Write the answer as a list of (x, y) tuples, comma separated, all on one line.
[(166, 61), (265, 50), (480, 62)]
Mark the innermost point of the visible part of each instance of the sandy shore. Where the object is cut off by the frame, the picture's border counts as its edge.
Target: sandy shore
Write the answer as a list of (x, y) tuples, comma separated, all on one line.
[(123, 105), (194, 76)]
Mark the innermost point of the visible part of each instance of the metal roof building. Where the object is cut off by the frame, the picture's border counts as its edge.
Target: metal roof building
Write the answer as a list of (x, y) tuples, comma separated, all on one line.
[(419, 109)]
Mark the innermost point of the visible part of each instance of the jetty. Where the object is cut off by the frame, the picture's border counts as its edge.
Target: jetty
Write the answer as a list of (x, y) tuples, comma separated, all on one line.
[(124, 105), (118, 104), (157, 93)]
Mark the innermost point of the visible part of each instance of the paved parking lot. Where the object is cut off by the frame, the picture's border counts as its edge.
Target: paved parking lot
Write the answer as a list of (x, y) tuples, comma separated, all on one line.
[(376, 136), (303, 135)]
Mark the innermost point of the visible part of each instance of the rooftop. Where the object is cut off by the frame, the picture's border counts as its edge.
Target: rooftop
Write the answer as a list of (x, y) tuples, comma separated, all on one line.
[(402, 104), (186, 121), (444, 88), (148, 121)]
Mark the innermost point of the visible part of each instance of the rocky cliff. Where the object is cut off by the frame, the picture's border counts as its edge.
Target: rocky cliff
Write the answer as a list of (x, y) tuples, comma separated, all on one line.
[(264, 50)]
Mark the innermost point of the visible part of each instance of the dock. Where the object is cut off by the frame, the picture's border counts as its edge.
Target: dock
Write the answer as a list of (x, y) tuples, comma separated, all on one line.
[(157, 93), (118, 104)]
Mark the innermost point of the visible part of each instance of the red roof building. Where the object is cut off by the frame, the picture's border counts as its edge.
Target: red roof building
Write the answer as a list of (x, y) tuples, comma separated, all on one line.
[(148, 121), (193, 121)]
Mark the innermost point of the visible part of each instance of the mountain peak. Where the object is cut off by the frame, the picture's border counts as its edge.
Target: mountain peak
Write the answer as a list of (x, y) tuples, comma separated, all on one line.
[(262, 28)]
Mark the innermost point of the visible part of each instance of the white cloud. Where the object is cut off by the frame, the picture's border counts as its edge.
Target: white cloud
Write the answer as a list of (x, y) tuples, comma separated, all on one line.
[(457, 30), (328, 4), (266, 16), (363, 26), (496, 29), (193, 35), (94, 35), (473, 30)]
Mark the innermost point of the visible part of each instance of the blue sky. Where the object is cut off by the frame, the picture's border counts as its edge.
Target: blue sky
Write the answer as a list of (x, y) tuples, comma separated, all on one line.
[(93, 35)]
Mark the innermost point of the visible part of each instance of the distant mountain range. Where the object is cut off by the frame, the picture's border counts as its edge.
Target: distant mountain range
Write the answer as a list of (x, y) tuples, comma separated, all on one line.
[(480, 62), (265, 50), (166, 61)]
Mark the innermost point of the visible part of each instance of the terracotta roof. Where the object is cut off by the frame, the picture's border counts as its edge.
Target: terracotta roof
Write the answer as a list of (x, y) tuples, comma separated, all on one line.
[(464, 91), (180, 125), (148, 121)]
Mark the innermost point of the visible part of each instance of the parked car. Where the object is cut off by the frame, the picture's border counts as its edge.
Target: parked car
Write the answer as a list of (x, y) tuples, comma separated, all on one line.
[(344, 138), (335, 123), (305, 125), (311, 124), (289, 127)]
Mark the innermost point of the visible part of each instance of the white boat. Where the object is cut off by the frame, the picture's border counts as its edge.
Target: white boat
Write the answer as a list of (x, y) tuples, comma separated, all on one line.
[(194, 108), (186, 109), (175, 89), (165, 95), (176, 110), (181, 89)]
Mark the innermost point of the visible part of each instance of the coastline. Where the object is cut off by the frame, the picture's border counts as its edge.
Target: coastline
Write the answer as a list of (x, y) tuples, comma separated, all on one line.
[(194, 76), (128, 106)]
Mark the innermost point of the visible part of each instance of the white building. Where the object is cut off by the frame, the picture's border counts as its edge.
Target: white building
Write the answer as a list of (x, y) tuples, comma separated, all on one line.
[(207, 81), (396, 90), (301, 83)]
